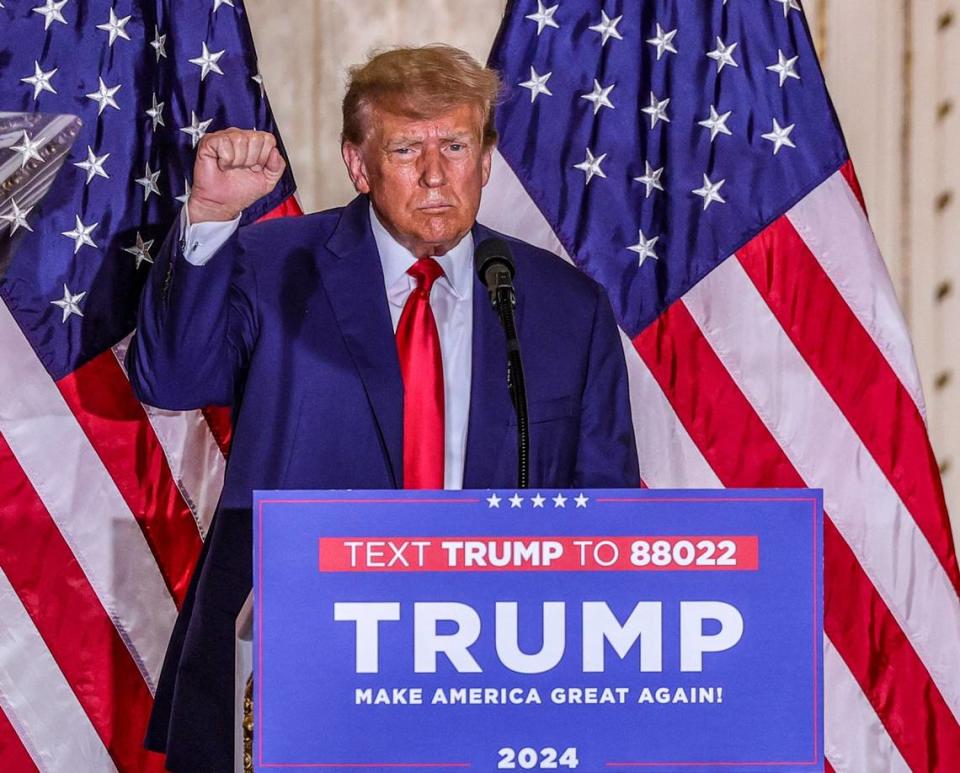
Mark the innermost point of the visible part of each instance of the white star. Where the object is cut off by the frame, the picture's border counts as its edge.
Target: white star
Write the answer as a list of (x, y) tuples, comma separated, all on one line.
[(207, 62), (644, 247), (186, 192), (591, 165), (103, 96), (196, 129), (140, 250), (559, 501), (723, 54), (785, 68), (663, 41), (607, 28), (218, 3), (710, 192), (93, 165), (159, 43), (537, 84), (544, 17), (18, 219), (51, 12), (581, 500), (81, 235), (40, 80), (657, 110), (788, 5), (149, 182), (600, 96), (493, 501), (258, 79), (115, 27), (779, 136), (28, 149), (515, 500), (650, 178), (156, 112), (717, 124), (70, 303), (538, 500)]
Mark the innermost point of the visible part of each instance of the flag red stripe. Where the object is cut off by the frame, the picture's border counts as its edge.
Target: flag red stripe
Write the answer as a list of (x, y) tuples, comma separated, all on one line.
[(13, 755), (851, 177), (117, 426), (845, 359), (289, 207), (67, 613), (722, 423)]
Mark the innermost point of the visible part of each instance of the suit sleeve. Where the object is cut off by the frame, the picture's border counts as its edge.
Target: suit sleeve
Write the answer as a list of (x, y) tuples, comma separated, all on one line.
[(196, 327), (607, 449)]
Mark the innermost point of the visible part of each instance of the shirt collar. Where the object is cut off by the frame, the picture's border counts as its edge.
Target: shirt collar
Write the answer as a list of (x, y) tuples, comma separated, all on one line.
[(457, 264)]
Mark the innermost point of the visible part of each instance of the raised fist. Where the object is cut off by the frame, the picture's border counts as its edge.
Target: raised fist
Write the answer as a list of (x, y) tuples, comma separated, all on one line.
[(233, 169)]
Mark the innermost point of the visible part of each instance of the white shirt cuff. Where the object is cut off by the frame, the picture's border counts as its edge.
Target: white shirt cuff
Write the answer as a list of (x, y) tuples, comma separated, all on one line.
[(201, 241)]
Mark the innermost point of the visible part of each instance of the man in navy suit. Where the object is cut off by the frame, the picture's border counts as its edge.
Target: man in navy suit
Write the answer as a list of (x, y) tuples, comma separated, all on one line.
[(322, 333)]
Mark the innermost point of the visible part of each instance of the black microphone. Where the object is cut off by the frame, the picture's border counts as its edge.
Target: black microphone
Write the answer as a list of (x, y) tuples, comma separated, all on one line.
[(494, 264)]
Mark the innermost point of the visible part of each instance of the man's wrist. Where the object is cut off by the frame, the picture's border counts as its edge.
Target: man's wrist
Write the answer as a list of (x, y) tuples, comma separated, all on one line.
[(200, 211)]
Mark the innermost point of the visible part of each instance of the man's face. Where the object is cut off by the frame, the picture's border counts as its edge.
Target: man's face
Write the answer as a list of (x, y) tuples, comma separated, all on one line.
[(423, 176)]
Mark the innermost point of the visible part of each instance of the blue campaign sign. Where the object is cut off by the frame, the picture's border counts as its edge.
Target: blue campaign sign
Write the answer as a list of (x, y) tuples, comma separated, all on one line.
[(551, 630)]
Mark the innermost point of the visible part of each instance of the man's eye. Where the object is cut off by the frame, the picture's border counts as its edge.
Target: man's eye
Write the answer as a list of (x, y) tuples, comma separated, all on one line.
[(456, 147)]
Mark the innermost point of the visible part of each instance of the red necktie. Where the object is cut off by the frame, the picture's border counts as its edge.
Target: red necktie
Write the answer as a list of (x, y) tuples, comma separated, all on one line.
[(421, 366)]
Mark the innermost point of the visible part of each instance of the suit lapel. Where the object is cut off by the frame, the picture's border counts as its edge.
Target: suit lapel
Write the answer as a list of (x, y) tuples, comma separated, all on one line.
[(354, 282)]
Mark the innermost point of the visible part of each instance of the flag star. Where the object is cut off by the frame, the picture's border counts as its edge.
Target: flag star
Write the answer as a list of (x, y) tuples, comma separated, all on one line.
[(28, 149), (516, 500), (40, 80), (710, 192), (93, 165), (51, 12), (544, 16), (537, 84), (149, 182), (717, 124), (103, 96), (493, 501), (779, 136), (159, 43), (81, 235), (657, 110), (196, 129), (650, 178), (644, 247), (785, 68), (538, 500), (218, 3), (140, 250), (581, 500), (591, 165), (18, 218), (258, 79), (70, 303), (723, 54), (607, 28), (186, 192), (156, 112), (559, 501), (663, 41), (788, 5), (207, 62), (115, 27), (600, 96)]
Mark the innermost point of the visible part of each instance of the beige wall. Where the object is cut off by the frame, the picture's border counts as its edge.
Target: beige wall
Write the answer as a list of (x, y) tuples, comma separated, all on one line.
[(891, 66)]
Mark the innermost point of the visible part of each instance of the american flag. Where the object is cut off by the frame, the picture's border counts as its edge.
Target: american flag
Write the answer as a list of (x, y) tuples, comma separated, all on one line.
[(103, 501), (687, 156)]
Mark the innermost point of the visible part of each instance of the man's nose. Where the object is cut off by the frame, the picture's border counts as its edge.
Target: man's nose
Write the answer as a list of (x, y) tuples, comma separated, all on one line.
[(432, 173)]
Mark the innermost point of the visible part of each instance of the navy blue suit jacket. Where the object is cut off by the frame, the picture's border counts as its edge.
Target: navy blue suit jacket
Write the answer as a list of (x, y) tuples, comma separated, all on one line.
[(289, 324)]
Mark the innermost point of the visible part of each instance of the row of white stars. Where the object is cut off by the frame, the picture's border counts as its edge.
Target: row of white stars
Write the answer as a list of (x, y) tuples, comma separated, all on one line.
[(607, 27), (538, 501), (52, 10)]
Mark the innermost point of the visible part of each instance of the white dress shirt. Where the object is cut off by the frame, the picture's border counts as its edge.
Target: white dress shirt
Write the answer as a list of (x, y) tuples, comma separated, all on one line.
[(451, 300)]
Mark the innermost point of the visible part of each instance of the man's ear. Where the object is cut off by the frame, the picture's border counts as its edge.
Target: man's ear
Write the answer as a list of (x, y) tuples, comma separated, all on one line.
[(486, 159), (356, 168)]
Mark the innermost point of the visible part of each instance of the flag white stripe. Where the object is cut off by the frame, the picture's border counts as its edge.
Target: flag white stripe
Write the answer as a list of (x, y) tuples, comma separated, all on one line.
[(800, 414), (855, 738), (832, 224), (38, 701), (84, 502)]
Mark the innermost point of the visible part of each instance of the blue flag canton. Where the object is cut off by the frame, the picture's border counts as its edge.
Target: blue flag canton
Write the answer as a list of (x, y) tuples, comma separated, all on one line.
[(658, 136), (148, 80)]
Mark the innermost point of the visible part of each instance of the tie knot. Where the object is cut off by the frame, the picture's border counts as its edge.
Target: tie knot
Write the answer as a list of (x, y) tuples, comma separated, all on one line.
[(426, 271)]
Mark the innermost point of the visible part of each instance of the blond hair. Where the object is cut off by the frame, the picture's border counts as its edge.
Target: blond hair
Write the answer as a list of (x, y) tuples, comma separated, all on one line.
[(419, 83)]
